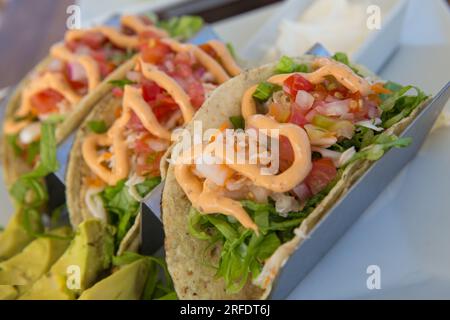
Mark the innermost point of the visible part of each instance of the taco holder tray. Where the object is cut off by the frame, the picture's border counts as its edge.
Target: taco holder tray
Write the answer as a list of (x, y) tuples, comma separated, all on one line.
[(328, 230)]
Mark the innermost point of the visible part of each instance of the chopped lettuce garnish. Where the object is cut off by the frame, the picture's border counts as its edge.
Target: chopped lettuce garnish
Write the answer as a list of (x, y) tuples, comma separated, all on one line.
[(182, 28), (120, 83), (97, 126), (155, 288), (121, 205), (238, 122), (30, 192), (243, 252), (398, 105), (381, 144), (341, 57), (122, 208), (148, 185), (231, 49), (265, 90), (287, 65)]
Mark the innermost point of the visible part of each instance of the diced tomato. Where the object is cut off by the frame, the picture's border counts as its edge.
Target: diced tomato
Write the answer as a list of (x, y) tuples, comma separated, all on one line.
[(135, 123), (322, 173), (150, 165), (154, 51), (75, 84), (141, 146), (106, 68), (150, 90), (296, 116), (196, 92), (295, 83), (93, 40), (164, 106), (117, 92), (46, 101), (286, 153)]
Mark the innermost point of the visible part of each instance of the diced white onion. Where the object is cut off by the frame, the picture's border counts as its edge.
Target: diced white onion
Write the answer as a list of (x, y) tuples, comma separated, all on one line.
[(371, 124), (133, 76), (30, 133), (346, 156), (285, 204), (336, 108), (304, 100), (94, 203), (157, 145)]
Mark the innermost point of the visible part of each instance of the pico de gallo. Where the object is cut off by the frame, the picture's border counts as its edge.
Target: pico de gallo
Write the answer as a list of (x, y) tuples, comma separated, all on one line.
[(328, 115), (170, 82)]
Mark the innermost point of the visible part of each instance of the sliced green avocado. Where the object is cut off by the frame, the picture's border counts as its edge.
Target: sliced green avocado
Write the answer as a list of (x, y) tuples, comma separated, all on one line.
[(125, 284), (34, 261), (88, 255), (14, 238), (8, 292)]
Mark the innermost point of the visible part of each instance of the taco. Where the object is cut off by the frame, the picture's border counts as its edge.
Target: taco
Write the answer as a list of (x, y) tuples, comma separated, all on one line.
[(66, 84), (230, 226), (116, 155)]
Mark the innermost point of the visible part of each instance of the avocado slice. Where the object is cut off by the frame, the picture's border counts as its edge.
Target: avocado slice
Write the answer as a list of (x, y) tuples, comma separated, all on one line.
[(8, 292), (125, 284), (14, 238), (34, 261), (88, 255)]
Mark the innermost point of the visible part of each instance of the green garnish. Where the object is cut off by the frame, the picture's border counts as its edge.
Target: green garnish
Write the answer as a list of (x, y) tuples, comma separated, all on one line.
[(238, 122), (30, 192), (287, 65), (182, 28), (148, 185), (265, 90), (341, 57), (121, 205), (231, 50), (398, 105), (97, 126), (121, 83)]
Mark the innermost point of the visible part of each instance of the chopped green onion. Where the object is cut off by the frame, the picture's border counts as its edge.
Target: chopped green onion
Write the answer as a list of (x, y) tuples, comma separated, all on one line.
[(265, 90), (97, 126)]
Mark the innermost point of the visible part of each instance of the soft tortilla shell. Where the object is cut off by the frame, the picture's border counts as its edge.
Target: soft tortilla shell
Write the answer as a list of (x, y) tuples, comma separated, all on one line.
[(14, 167)]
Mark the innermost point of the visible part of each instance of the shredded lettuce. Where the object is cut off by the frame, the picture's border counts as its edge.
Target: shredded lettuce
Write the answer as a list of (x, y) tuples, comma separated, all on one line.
[(121, 205), (243, 251), (122, 208), (30, 192), (182, 28), (148, 185), (381, 144), (398, 105), (155, 287)]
